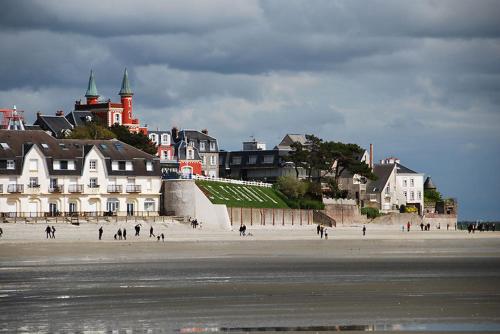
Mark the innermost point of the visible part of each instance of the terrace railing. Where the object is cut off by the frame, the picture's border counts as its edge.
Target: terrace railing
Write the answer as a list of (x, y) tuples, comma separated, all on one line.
[(218, 179)]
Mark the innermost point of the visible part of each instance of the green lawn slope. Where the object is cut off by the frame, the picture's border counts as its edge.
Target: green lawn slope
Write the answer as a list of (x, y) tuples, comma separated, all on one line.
[(240, 196)]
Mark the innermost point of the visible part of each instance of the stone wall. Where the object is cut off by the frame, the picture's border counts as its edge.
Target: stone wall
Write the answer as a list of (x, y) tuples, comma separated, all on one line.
[(441, 220), (345, 213), (276, 217)]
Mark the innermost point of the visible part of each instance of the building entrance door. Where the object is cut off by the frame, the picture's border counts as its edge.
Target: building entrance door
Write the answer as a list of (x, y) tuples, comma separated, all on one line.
[(130, 209)]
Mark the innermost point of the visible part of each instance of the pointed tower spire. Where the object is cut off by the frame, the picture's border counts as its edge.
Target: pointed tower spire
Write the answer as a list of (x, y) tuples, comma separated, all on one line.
[(92, 95), (126, 90), (91, 89)]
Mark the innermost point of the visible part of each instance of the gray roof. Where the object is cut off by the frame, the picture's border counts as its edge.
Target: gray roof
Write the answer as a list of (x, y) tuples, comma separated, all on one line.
[(54, 124), (428, 184), (383, 172), (20, 142), (159, 132), (291, 138), (196, 137), (78, 118), (400, 169)]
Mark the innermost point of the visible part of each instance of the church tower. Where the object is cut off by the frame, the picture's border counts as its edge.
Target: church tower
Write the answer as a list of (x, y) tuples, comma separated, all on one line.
[(91, 93), (126, 98)]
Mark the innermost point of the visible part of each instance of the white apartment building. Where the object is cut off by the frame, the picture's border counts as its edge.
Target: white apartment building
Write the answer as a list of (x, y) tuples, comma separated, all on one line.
[(44, 176)]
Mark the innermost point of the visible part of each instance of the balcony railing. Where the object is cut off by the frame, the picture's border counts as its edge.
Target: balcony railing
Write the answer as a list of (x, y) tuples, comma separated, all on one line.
[(33, 186), (132, 188), (56, 189), (75, 188), (15, 188), (93, 186), (114, 189)]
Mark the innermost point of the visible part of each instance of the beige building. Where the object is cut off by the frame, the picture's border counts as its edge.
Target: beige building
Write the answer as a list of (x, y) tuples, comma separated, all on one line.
[(44, 176)]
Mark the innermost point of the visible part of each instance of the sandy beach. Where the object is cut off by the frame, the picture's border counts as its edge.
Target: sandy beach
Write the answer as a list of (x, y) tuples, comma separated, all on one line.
[(277, 279)]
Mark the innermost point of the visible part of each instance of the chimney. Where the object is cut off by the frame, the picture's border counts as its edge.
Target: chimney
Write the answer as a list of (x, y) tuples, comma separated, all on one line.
[(59, 113), (175, 133), (371, 156), (205, 131), (38, 114)]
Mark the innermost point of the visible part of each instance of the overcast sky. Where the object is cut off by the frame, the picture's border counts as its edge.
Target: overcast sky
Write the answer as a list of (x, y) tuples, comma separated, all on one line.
[(418, 79)]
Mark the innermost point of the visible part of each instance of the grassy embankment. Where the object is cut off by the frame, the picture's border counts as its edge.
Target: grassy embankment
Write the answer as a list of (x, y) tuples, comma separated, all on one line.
[(241, 196)]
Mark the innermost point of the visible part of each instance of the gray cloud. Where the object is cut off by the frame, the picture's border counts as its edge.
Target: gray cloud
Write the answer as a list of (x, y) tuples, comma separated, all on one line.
[(420, 80)]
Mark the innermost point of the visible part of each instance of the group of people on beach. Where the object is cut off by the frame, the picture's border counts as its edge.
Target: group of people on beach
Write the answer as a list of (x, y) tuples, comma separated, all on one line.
[(122, 235), (243, 230), (471, 228), (50, 232), (322, 231), (194, 223)]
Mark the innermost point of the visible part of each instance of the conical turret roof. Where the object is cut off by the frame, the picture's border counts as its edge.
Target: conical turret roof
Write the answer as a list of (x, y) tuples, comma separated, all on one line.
[(126, 90), (428, 184), (91, 89)]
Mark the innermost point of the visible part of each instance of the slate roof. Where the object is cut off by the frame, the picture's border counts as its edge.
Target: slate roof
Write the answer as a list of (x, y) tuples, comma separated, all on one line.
[(55, 124), (125, 90), (78, 118), (291, 138), (20, 142), (428, 184), (91, 89), (400, 169), (383, 172)]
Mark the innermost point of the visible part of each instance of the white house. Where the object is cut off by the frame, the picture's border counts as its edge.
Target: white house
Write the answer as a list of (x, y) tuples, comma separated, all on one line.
[(44, 176), (409, 185)]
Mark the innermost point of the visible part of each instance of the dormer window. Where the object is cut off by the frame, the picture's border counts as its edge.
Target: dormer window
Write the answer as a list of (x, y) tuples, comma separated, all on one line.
[(212, 146), (122, 165), (165, 140), (45, 146), (5, 146), (153, 138), (202, 146), (149, 166)]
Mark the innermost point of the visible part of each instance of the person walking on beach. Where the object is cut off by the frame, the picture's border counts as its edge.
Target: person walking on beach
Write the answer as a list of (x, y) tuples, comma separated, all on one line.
[(124, 233), (408, 227), (119, 234), (1, 232), (317, 229), (48, 231), (163, 237), (100, 232), (364, 230), (326, 234), (151, 234), (422, 226), (137, 229), (53, 232), (321, 231)]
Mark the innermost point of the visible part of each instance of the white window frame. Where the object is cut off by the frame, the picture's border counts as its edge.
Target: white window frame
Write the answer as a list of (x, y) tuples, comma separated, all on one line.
[(202, 146), (93, 165), (412, 183), (11, 164), (149, 205), (149, 166), (405, 183), (33, 182), (93, 183), (212, 146), (213, 160)]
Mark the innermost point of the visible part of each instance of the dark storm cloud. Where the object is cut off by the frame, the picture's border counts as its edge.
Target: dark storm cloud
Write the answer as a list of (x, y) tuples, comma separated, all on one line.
[(418, 79)]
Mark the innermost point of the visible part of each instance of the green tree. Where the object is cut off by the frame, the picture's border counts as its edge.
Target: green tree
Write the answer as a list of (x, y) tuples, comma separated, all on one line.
[(138, 140), (91, 130), (292, 187), (432, 195)]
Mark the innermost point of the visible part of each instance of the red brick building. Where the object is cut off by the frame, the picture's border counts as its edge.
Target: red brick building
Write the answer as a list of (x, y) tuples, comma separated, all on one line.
[(111, 113)]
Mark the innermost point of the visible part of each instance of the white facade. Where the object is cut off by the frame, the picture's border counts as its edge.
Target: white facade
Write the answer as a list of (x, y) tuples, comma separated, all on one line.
[(410, 189), (87, 189)]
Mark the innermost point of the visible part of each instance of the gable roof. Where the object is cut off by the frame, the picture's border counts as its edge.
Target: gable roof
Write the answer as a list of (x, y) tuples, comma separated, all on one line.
[(383, 173), (55, 124), (291, 138), (78, 118), (400, 169)]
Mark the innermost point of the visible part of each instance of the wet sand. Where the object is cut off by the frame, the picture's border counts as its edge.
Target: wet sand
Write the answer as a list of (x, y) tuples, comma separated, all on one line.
[(400, 283)]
